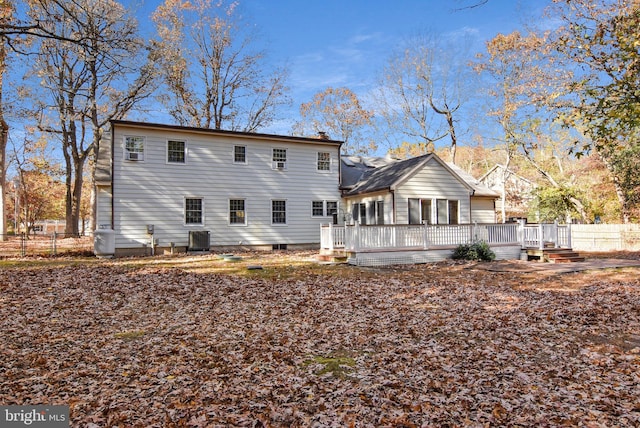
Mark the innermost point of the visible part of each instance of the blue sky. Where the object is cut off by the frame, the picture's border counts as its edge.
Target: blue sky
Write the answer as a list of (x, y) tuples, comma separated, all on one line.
[(345, 43)]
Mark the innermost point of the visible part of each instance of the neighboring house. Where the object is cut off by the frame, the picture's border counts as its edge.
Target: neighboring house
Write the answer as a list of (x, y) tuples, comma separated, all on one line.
[(420, 190), (517, 191), (162, 187)]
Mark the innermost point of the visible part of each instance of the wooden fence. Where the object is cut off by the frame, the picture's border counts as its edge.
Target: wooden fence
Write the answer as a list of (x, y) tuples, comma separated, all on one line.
[(605, 237)]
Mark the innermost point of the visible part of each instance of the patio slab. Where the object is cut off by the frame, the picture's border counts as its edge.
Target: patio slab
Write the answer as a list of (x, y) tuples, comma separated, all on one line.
[(558, 268)]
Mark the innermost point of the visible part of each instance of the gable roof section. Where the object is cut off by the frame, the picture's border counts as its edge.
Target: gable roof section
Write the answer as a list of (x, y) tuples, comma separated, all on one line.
[(479, 188), (386, 177), (360, 179)]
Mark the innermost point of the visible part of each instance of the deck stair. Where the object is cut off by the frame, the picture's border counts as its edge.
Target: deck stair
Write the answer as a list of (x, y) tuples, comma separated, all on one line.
[(563, 255), (334, 256), (555, 255)]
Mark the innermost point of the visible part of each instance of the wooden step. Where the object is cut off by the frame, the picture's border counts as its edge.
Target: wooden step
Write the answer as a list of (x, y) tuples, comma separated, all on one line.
[(566, 259), (563, 255), (337, 257)]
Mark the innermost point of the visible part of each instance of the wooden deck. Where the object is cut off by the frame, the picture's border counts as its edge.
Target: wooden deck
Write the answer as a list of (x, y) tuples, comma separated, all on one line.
[(374, 245)]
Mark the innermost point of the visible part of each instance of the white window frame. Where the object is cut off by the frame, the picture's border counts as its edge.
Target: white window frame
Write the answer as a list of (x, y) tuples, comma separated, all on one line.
[(202, 211), (234, 155), (185, 152), (326, 162), (313, 208), (278, 162), (244, 212), (128, 154), (285, 212)]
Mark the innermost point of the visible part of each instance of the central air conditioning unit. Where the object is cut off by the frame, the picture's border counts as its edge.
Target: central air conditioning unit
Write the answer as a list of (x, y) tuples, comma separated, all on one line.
[(199, 240)]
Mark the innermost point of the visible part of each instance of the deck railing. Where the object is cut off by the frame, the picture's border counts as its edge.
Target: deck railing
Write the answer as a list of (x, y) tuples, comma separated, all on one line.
[(381, 237)]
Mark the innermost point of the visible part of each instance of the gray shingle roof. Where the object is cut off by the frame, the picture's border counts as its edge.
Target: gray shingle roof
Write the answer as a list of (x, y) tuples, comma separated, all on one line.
[(367, 175)]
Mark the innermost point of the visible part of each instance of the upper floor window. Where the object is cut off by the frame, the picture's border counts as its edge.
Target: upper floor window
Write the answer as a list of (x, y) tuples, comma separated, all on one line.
[(240, 154), (176, 151), (134, 148), (279, 158), (324, 161)]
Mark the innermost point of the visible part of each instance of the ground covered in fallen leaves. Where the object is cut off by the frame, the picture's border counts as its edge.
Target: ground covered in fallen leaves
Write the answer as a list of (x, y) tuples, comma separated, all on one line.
[(203, 342)]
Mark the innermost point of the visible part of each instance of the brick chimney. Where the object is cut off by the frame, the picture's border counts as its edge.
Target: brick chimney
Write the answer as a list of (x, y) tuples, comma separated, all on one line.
[(323, 135)]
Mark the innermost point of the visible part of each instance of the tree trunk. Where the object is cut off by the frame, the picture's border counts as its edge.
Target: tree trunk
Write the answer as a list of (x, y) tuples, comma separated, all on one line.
[(4, 137)]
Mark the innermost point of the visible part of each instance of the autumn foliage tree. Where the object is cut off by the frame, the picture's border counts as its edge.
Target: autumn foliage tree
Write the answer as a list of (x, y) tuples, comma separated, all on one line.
[(600, 39), (92, 74), (214, 76), (339, 113)]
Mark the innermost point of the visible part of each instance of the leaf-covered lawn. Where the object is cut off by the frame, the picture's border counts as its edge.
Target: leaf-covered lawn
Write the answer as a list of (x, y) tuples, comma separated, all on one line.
[(200, 343)]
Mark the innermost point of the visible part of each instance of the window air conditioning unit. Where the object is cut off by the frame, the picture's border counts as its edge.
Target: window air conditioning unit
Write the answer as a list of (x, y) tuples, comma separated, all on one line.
[(199, 240), (134, 156), (280, 165)]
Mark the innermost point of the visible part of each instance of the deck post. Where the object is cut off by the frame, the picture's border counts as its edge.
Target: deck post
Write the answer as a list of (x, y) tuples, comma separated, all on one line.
[(424, 235), (521, 234), (540, 236), (356, 236), (331, 243), (569, 235), (555, 234)]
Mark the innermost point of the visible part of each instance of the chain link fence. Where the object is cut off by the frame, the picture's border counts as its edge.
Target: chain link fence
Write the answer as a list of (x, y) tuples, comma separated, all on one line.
[(45, 245)]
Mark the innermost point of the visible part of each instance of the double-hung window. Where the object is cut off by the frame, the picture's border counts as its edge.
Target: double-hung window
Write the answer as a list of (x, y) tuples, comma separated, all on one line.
[(317, 208), (279, 158), (239, 154), (134, 148), (237, 212), (324, 161), (176, 151), (279, 212), (193, 211)]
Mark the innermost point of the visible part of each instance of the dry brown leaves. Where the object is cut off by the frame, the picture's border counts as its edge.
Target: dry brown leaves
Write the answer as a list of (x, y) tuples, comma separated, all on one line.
[(431, 345)]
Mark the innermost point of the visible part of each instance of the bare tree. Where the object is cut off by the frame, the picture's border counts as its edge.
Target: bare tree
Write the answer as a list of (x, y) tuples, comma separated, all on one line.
[(89, 83), (215, 79), (420, 92)]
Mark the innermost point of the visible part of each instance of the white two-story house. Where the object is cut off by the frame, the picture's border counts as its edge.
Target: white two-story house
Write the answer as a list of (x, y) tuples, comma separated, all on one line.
[(167, 188)]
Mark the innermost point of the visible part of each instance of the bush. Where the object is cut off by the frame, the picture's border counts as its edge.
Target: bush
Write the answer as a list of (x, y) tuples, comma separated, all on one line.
[(478, 250)]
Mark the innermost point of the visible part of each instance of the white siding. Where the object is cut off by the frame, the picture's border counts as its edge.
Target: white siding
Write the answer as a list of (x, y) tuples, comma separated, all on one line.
[(433, 181), (153, 191), (483, 210), (103, 213)]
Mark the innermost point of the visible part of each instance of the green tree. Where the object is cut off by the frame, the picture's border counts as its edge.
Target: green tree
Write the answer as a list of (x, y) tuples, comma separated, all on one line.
[(600, 39), (526, 76)]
